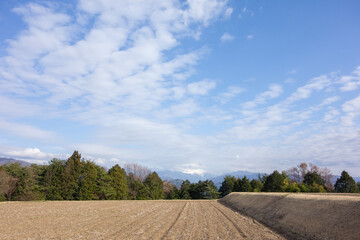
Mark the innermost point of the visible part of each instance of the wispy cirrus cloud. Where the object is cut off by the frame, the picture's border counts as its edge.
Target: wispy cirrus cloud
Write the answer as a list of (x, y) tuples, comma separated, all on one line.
[(119, 74), (25, 130), (274, 91), (231, 92), (351, 82)]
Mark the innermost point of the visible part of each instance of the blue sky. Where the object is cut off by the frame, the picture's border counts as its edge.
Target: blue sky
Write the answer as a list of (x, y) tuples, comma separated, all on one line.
[(208, 86)]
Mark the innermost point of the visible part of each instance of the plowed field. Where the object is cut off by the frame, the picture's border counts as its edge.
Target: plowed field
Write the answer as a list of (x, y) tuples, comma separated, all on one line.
[(175, 219)]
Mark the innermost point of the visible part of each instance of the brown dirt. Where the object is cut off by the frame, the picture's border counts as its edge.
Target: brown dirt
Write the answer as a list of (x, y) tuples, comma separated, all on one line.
[(302, 215), (174, 219)]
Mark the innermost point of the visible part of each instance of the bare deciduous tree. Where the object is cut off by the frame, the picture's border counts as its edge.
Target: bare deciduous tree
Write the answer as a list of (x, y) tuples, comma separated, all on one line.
[(7, 184), (297, 174), (136, 171), (326, 175)]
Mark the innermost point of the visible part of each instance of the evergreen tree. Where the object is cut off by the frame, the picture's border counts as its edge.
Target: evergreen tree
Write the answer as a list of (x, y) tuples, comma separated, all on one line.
[(54, 182), (25, 184), (314, 182), (237, 185), (313, 177), (36, 189), (245, 185), (345, 184), (256, 185), (170, 190), (174, 193), (185, 190), (204, 190), (155, 186), (104, 188), (119, 182), (210, 191), (72, 176), (196, 190), (242, 185), (138, 190), (88, 181), (227, 186), (275, 182)]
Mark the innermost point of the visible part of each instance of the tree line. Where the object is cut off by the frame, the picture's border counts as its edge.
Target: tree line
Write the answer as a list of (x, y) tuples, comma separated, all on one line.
[(80, 179), (303, 178)]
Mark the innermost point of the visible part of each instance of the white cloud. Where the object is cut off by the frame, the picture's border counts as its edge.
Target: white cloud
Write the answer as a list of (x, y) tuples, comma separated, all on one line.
[(201, 88), (330, 100), (25, 130), (17, 108), (194, 171), (351, 82), (331, 115), (206, 10), (250, 37), (226, 37), (126, 65), (232, 91), (192, 168), (32, 153), (119, 70), (350, 86), (274, 91), (316, 84), (352, 111)]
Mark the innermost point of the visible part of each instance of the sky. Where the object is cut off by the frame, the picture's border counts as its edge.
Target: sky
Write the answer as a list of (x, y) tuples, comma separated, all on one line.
[(197, 86)]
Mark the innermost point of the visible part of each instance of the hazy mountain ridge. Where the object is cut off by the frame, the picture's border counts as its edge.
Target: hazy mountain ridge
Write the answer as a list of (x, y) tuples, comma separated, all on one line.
[(4, 161), (217, 179), (173, 176)]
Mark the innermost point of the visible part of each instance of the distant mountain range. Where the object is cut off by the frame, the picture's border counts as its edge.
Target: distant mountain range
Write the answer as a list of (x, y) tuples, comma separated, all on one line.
[(172, 175), (177, 178), (11, 160)]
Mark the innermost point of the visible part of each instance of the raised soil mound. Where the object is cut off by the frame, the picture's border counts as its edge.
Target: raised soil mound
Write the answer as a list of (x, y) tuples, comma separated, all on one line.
[(302, 215)]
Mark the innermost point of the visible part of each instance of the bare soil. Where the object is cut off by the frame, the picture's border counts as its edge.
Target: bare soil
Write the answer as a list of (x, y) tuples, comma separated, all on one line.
[(173, 219), (302, 215)]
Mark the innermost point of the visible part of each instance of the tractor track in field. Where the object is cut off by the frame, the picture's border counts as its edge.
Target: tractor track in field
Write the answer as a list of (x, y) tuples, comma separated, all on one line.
[(173, 224)]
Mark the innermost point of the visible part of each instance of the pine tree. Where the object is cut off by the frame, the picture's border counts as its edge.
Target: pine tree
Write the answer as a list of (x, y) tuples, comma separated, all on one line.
[(345, 184), (155, 185), (72, 176), (275, 182), (104, 189), (227, 186), (185, 190), (119, 182), (88, 181), (256, 185), (54, 182)]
